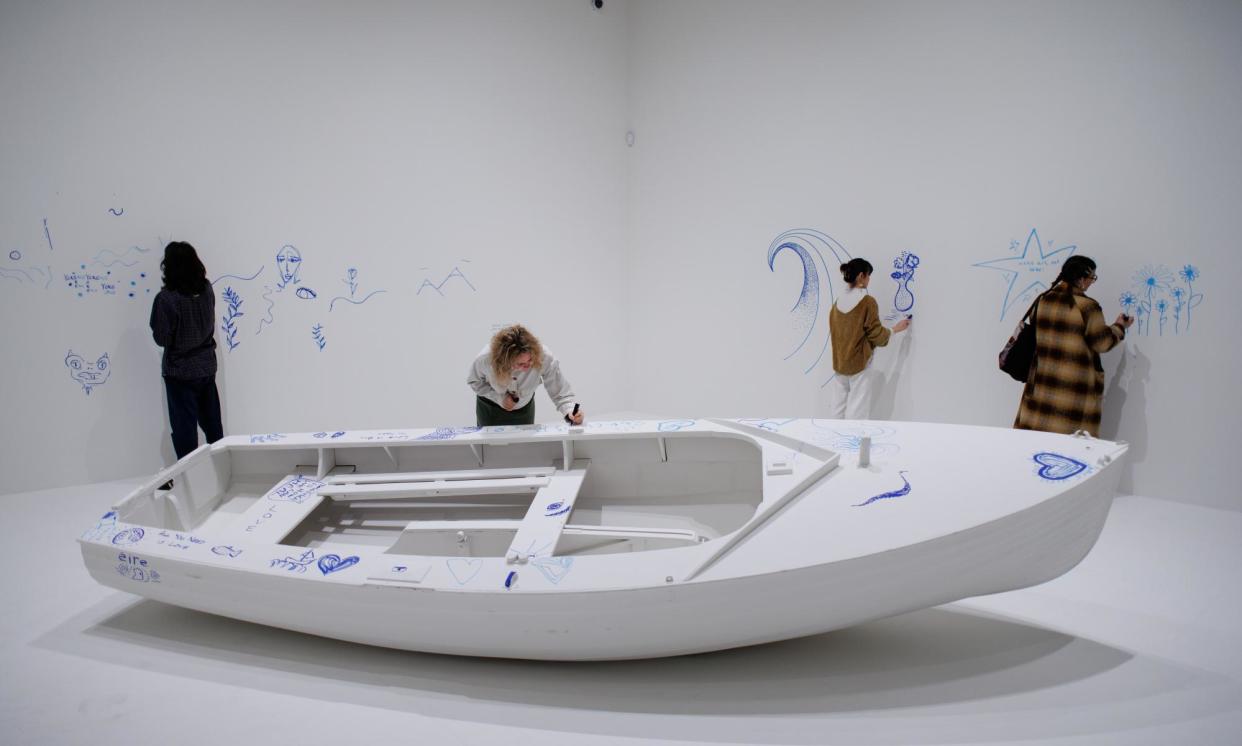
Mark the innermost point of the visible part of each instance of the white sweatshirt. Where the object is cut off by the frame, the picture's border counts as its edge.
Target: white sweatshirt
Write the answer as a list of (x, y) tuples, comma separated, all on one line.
[(484, 383)]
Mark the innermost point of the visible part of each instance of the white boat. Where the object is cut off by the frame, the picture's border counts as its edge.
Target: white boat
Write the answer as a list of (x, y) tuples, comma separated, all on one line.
[(626, 539)]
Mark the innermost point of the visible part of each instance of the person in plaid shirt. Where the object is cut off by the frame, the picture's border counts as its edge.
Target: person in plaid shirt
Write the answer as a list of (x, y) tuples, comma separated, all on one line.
[(183, 323), (1064, 392)]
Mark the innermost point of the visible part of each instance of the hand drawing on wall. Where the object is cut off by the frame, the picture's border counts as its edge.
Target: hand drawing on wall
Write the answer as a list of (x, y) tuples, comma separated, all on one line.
[(816, 296), (439, 287), (1029, 273), (1162, 298), (288, 264), (89, 374), (904, 264), (232, 312)]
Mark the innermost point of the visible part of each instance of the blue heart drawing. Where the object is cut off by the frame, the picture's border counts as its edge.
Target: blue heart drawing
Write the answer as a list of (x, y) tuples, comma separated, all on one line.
[(330, 563), (1056, 467)]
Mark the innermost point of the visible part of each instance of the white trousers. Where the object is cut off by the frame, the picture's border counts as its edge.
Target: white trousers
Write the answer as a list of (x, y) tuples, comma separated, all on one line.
[(849, 397)]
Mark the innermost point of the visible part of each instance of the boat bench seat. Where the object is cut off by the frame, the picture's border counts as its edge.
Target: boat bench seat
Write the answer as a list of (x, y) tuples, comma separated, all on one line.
[(269, 520)]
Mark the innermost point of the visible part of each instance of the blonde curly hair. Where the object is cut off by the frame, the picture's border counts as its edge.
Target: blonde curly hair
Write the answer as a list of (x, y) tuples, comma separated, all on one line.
[(511, 342)]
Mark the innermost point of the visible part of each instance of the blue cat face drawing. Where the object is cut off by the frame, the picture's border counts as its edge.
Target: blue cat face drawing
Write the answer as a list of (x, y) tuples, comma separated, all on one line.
[(87, 373)]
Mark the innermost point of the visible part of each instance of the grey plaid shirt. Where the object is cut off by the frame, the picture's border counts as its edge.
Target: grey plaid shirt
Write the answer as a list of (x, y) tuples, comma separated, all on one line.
[(185, 326)]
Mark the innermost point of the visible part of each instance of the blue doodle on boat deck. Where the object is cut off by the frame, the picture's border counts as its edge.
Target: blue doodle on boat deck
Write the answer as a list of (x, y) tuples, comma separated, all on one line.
[(886, 495), (553, 568), (672, 426), (448, 433), (1031, 274), (131, 535), (833, 435), (136, 568), (324, 434), (330, 563), (295, 489), (557, 508), (464, 570), (766, 423), (269, 438), (1056, 467), (224, 550), (86, 373), (295, 565), (105, 526)]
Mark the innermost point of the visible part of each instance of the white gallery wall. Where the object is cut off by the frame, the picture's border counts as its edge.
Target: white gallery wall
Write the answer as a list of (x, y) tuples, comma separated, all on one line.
[(443, 168), (1002, 134)]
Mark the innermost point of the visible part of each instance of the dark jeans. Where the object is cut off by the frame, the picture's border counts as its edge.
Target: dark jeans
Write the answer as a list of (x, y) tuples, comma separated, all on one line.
[(193, 403), (488, 412)]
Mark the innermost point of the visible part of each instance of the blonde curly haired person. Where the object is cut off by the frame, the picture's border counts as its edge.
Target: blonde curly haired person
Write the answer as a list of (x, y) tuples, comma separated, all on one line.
[(506, 374)]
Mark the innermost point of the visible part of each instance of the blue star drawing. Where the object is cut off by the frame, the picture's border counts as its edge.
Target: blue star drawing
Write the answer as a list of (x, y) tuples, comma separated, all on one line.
[(1028, 271)]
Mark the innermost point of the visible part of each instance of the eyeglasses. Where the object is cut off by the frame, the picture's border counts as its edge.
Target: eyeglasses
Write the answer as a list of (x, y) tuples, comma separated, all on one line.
[(1092, 277)]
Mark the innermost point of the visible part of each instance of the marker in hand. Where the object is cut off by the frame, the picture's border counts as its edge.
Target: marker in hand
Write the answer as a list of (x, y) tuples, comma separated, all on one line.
[(570, 417)]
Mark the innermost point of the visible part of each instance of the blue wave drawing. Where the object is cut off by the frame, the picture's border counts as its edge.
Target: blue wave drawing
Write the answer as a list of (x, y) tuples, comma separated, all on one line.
[(351, 300), (817, 273), (237, 277), (113, 258)]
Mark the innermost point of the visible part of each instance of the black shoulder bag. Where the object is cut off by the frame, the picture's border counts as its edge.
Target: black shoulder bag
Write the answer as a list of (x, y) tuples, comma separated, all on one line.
[(1018, 354)]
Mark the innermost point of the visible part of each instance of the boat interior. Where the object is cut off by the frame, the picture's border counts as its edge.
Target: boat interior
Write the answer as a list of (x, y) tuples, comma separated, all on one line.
[(452, 498)]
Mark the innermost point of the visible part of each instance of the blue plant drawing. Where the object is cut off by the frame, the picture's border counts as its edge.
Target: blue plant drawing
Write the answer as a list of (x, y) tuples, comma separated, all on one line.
[(809, 246), (317, 335), (292, 564), (232, 313), (351, 279), (1031, 272), (1156, 293), (904, 264)]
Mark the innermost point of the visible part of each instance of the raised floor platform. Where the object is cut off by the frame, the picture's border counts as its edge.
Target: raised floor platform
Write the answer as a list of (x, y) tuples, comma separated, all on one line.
[(1140, 644)]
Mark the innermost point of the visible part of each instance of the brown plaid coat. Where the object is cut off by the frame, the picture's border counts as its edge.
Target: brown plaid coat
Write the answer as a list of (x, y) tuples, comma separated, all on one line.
[(1065, 390)]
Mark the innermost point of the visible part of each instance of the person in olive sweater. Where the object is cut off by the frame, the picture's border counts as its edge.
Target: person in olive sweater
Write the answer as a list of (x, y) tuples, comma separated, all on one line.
[(854, 324), (183, 322)]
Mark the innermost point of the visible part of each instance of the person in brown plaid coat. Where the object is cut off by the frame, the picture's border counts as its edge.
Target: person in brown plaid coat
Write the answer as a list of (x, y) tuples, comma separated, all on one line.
[(1064, 392)]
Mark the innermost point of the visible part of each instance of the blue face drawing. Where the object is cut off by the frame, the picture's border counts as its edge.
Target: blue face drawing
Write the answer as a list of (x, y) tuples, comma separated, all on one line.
[(288, 262), (86, 373)]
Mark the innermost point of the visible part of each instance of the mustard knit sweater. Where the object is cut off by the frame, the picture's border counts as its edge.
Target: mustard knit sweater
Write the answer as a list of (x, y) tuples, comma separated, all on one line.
[(855, 335)]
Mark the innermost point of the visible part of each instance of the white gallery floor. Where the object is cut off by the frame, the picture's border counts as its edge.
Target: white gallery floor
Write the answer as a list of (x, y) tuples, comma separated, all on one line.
[(1140, 644)]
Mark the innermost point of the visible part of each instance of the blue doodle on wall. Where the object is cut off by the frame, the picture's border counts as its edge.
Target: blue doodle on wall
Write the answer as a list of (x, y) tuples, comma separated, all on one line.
[(288, 263), (887, 495), (48, 234), (225, 550), (307, 294), (24, 275), (87, 373), (817, 274), (232, 313), (1157, 294), (116, 212), (15, 255), (439, 287), (1055, 467), (109, 258), (553, 568), (267, 296), (448, 433), (136, 568), (90, 283), (292, 564), (131, 535), (464, 570), (672, 426), (295, 489), (239, 277), (351, 279), (317, 335), (1028, 273), (330, 563), (366, 298), (904, 264)]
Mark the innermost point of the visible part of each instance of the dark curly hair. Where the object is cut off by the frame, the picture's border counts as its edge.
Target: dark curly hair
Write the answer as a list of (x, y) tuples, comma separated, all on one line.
[(183, 271)]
